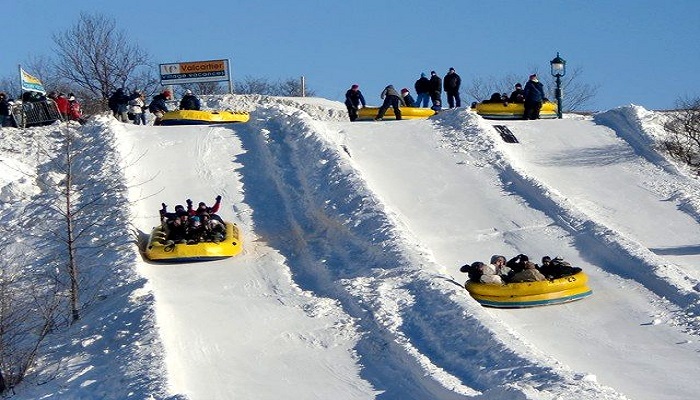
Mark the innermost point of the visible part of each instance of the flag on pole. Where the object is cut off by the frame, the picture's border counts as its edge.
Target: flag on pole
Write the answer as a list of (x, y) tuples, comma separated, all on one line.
[(31, 83)]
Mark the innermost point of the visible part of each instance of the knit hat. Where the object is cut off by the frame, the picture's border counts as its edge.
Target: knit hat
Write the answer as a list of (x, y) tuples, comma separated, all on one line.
[(355, 86), (404, 90), (517, 85), (533, 77)]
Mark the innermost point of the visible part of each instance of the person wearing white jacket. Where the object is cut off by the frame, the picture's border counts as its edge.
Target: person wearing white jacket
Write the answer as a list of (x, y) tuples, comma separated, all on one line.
[(136, 107)]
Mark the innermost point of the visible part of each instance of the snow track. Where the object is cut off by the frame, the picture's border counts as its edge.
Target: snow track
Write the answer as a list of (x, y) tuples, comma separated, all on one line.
[(353, 237)]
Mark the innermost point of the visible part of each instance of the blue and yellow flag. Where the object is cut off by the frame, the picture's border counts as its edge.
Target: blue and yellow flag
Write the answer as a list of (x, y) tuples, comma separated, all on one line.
[(31, 83)]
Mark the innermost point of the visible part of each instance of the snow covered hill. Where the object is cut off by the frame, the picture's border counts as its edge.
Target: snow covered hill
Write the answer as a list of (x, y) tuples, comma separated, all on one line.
[(349, 285)]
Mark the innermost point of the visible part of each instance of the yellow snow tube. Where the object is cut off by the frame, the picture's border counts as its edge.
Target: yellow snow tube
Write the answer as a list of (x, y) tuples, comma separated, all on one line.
[(531, 294), (513, 110), (369, 113), (159, 249), (197, 117)]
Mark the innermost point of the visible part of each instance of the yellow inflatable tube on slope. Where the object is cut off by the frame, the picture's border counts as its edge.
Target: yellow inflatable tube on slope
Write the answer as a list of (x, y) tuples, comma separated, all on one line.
[(369, 113), (197, 117), (158, 249), (531, 294), (513, 110)]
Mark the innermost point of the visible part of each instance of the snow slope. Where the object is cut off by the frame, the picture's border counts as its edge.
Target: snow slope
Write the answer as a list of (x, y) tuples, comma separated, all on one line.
[(349, 284)]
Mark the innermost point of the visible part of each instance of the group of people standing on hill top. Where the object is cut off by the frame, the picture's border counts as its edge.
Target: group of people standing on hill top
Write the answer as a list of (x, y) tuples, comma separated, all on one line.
[(533, 95), (426, 89)]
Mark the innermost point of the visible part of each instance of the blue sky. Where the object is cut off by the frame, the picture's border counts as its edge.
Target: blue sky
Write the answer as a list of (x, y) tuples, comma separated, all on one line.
[(638, 52)]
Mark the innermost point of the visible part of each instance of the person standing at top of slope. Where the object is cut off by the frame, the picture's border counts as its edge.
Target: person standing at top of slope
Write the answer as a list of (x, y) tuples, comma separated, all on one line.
[(534, 96), (422, 87), (435, 89), (158, 105), (391, 98), (452, 82), (119, 104), (353, 101), (190, 101)]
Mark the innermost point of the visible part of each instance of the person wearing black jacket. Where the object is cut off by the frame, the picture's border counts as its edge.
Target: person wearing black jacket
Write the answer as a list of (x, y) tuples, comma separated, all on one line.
[(534, 97), (422, 87), (5, 111), (159, 106), (353, 101), (190, 101), (435, 89), (452, 82), (518, 95)]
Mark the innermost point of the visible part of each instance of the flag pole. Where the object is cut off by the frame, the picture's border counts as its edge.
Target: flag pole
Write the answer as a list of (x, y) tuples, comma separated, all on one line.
[(21, 98)]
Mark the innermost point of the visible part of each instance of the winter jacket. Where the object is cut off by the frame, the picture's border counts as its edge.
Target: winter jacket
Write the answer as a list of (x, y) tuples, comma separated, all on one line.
[(527, 275), (518, 96), (136, 106), (353, 98), (63, 105), (74, 111), (452, 82), (489, 275), (422, 85), (158, 104), (408, 100), (435, 84), (189, 102), (118, 101), (389, 91), (4, 107), (534, 92)]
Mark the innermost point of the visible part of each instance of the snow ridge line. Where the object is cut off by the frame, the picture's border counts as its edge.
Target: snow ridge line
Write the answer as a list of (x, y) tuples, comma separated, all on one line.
[(354, 250), (644, 139), (641, 264)]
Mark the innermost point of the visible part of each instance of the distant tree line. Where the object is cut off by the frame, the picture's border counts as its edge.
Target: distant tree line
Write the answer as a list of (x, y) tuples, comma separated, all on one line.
[(93, 58)]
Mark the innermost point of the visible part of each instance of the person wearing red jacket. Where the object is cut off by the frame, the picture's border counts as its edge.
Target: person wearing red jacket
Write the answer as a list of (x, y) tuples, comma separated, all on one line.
[(63, 106)]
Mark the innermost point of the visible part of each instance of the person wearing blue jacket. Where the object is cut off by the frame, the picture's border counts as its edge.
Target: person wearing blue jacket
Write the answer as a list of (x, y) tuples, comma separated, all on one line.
[(159, 106), (534, 97)]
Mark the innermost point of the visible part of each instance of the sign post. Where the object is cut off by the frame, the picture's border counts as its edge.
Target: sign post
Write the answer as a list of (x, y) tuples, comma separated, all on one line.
[(196, 71)]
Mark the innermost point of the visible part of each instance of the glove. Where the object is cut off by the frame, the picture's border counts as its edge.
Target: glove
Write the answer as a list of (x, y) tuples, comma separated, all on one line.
[(189, 202), (218, 198), (359, 106), (163, 205)]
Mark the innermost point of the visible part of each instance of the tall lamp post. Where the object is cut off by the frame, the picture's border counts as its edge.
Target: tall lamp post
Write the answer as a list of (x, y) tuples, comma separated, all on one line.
[(558, 70)]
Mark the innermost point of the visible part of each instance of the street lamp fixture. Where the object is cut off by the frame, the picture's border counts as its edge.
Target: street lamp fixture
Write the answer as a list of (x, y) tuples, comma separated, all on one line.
[(558, 70)]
